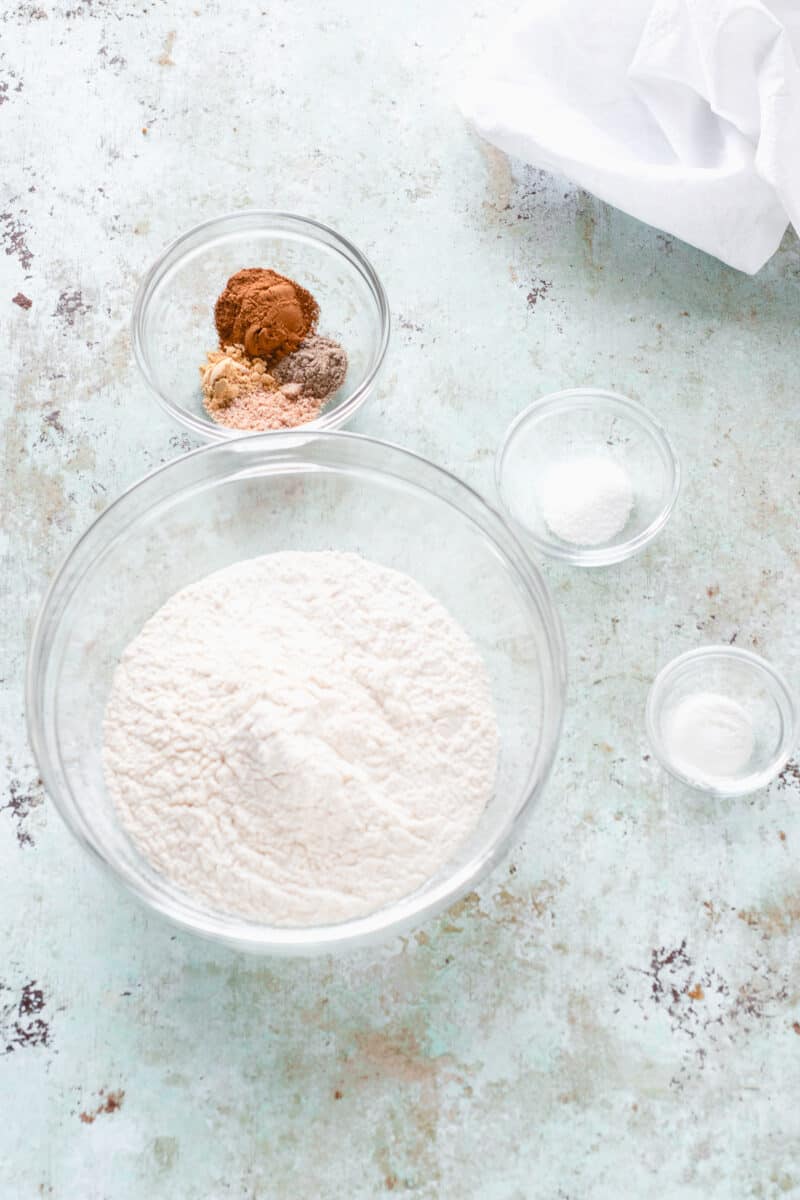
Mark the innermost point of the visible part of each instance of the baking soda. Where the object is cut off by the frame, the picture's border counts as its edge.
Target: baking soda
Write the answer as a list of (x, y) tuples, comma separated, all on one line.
[(586, 500), (709, 735)]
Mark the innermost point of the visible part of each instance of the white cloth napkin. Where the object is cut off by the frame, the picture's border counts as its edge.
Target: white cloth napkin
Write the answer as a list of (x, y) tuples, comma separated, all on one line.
[(683, 113)]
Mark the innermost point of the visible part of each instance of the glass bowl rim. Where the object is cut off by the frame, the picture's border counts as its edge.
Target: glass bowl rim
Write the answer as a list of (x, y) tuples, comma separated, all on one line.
[(173, 253), (566, 400), (757, 665), (409, 911)]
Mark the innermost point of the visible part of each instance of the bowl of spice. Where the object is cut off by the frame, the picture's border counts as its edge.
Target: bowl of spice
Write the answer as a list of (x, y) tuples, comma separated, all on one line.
[(297, 691), (260, 321), (587, 476), (722, 720)]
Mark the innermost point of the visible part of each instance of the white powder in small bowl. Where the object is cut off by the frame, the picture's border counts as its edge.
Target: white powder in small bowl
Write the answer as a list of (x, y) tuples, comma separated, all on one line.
[(586, 500), (709, 736)]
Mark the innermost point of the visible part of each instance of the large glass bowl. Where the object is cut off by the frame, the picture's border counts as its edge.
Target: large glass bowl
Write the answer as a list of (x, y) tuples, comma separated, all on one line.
[(293, 491), (173, 314)]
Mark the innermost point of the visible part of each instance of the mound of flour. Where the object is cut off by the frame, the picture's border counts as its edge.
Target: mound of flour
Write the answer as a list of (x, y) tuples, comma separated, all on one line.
[(300, 738)]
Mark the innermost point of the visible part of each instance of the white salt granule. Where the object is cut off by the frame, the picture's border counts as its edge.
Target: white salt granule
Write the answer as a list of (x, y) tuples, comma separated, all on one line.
[(300, 738), (586, 500), (709, 735)]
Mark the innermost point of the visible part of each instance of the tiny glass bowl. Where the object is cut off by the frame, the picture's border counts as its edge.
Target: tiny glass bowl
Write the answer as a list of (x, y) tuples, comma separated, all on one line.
[(740, 676), (173, 315), (587, 422)]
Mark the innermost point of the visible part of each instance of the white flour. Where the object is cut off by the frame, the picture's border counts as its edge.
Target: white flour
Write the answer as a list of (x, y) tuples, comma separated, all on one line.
[(586, 500), (300, 738)]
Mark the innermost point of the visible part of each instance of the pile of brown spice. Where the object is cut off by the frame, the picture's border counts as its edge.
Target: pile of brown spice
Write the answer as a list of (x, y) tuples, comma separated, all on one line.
[(272, 370)]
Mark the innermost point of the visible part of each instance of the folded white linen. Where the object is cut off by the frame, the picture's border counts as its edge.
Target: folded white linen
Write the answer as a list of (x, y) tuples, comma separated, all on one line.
[(683, 113)]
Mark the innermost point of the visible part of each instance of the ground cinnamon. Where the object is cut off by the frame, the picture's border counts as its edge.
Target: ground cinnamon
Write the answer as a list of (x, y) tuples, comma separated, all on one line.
[(266, 313)]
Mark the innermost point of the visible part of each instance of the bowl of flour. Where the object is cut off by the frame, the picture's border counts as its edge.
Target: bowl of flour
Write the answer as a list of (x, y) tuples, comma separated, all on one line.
[(297, 693)]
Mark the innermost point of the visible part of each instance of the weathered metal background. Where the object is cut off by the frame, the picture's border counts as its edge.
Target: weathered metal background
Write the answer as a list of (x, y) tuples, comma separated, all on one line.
[(617, 1011)]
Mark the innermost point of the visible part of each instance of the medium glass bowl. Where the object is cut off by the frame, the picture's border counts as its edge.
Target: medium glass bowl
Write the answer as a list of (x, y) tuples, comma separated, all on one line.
[(587, 421), (292, 491), (173, 314), (755, 685)]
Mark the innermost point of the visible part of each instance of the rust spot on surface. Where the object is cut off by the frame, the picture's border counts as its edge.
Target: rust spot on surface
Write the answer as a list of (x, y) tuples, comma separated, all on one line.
[(337, 1095), (586, 222), (790, 775), (53, 420), (407, 323), (13, 238), (796, 1027), (509, 901), (165, 57), (696, 993), (397, 1056), (71, 306), (781, 835), (665, 963), (412, 329), (21, 300), (712, 591), (774, 919), (469, 905), (499, 182), (31, 1000), (109, 1104), (21, 1024), (391, 1182), (538, 292), (529, 187), (115, 61), (22, 800), (28, 13), (6, 88), (543, 894)]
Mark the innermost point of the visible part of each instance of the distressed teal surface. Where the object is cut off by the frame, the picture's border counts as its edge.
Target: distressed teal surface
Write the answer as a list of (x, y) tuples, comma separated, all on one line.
[(616, 1012)]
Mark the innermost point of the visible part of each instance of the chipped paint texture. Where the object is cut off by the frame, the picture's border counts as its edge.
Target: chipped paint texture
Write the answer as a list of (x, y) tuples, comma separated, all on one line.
[(616, 1011)]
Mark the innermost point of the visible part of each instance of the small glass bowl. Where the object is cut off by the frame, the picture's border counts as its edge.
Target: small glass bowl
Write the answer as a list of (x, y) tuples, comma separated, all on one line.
[(588, 421), (173, 315), (745, 678)]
